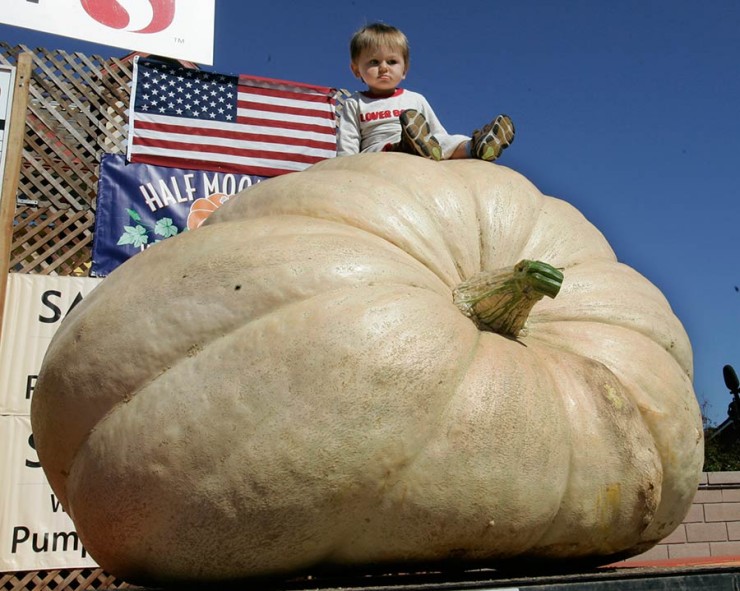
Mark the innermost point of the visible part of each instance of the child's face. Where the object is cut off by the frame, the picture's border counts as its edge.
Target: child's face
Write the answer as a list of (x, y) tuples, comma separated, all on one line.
[(381, 68)]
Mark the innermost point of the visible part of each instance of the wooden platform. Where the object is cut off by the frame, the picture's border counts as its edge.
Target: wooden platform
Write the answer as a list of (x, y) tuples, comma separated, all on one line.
[(710, 574)]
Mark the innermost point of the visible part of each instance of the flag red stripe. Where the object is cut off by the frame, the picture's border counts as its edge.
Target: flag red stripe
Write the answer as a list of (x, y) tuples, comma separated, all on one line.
[(258, 106), (287, 94), (194, 163), (286, 84), (234, 135), (241, 152), (287, 124)]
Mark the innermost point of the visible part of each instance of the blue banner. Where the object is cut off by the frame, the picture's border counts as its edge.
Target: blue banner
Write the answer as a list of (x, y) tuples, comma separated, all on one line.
[(139, 205)]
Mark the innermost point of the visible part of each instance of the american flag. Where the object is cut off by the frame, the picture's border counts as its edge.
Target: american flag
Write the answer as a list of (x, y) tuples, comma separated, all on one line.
[(187, 118)]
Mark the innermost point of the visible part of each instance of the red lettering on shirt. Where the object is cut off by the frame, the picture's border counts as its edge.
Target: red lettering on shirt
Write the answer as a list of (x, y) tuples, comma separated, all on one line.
[(374, 115)]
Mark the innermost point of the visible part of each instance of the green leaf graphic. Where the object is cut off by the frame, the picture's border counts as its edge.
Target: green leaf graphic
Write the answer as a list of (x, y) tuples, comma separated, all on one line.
[(165, 227), (135, 236)]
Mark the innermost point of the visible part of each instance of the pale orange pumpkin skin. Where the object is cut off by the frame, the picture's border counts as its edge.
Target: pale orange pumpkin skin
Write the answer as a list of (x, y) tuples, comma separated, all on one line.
[(290, 386)]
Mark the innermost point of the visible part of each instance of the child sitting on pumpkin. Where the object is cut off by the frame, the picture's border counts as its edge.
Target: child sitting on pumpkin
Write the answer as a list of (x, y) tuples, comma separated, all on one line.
[(389, 118)]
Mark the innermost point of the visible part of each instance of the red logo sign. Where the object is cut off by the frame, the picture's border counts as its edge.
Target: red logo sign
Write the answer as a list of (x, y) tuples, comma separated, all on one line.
[(111, 14)]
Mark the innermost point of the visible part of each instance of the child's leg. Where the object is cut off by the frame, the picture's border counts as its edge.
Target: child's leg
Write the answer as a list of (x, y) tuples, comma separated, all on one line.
[(416, 137), (494, 138), (461, 151)]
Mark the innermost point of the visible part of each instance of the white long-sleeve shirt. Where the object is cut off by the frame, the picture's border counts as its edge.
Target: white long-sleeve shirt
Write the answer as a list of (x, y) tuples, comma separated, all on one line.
[(369, 123)]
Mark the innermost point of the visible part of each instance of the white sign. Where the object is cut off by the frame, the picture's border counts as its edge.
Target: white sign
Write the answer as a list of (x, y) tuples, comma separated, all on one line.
[(180, 29), (7, 83), (35, 532)]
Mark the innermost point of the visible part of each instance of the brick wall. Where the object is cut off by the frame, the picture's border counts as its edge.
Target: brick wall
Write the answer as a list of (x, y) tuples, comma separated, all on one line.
[(712, 526)]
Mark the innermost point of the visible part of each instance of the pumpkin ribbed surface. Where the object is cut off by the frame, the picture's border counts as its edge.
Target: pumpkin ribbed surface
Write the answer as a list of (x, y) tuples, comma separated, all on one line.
[(291, 386)]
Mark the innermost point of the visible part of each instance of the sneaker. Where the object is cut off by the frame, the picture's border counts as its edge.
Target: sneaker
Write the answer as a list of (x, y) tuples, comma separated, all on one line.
[(416, 137), (494, 138)]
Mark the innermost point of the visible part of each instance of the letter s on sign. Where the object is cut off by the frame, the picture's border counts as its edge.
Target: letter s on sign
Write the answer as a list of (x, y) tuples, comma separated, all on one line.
[(108, 12), (164, 12), (111, 14)]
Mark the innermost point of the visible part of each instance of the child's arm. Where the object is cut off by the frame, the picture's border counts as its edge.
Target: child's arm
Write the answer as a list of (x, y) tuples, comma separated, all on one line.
[(348, 131)]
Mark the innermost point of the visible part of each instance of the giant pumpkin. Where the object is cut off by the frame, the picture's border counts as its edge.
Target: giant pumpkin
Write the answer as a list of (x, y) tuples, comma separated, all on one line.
[(303, 382)]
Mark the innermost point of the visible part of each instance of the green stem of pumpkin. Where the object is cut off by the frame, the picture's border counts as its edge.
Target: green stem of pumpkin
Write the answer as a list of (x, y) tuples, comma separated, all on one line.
[(500, 301)]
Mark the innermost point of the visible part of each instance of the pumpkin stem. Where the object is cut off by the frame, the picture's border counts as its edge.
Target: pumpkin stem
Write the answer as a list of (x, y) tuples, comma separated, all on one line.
[(500, 301)]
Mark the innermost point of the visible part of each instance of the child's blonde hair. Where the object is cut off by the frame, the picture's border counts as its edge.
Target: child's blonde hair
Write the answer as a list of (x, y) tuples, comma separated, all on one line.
[(379, 35)]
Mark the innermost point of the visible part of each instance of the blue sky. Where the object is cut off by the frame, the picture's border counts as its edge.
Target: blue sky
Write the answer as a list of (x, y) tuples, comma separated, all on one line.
[(629, 110)]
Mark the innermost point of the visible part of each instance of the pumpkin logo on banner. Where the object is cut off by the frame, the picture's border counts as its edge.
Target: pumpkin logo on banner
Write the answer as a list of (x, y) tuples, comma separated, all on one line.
[(143, 16), (203, 207)]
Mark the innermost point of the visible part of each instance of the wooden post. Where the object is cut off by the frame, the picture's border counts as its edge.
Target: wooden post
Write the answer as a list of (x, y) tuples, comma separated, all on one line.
[(13, 146)]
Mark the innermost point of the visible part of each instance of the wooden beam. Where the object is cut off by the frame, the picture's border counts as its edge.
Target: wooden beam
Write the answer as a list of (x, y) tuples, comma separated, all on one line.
[(13, 146)]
